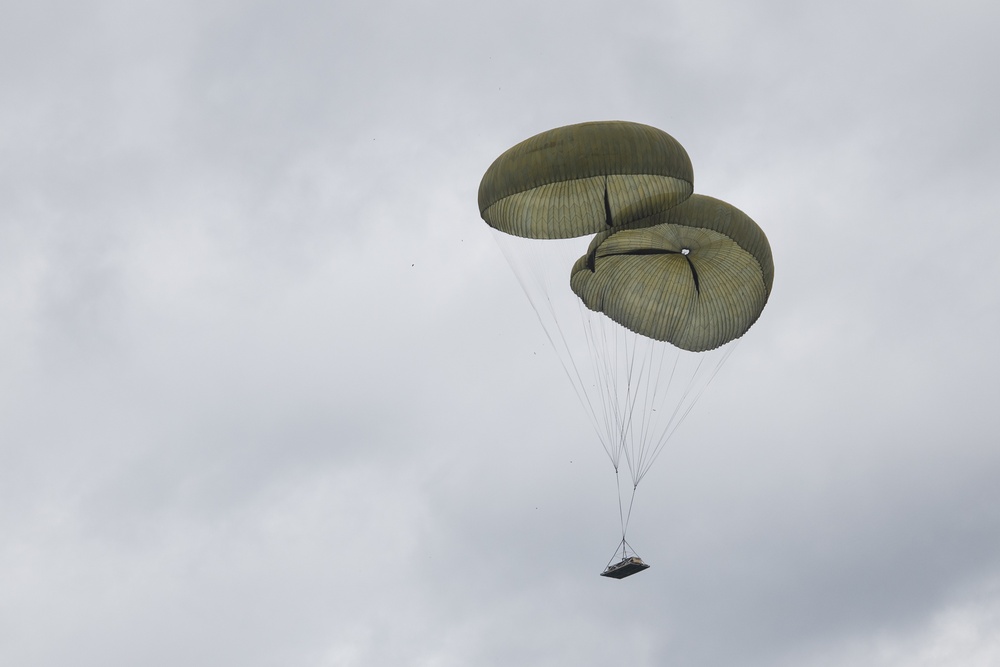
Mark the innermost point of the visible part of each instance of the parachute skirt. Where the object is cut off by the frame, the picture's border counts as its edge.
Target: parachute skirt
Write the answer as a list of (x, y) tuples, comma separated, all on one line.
[(625, 568)]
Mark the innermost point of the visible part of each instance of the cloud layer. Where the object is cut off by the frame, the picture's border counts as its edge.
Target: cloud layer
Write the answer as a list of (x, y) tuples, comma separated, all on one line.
[(271, 394)]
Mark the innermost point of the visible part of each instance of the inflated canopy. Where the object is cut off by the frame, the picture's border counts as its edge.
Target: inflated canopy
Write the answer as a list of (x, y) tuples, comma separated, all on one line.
[(583, 179), (696, 276)]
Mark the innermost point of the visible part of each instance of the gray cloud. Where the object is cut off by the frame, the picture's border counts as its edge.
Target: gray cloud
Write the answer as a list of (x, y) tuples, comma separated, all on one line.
[(272, 395)]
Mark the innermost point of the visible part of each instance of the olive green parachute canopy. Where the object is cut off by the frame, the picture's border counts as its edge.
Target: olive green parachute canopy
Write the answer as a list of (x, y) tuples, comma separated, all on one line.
[(583, 179), (696, 276)]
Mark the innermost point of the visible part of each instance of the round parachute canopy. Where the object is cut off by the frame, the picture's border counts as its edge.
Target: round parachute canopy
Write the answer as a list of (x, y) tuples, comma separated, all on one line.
[(583, 179), (696, 276)]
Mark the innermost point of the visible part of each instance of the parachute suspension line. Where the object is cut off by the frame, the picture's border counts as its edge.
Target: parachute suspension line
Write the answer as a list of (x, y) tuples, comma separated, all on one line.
[(628, 515), (621, 513), (654, 358), (645, 412), (670, 431), (613, 383), (565, 356), (674, 421), (625, 548), (633, 391), (622, 402), (623, 394), (613, 355), (624, 517), (654, 391), (641, 463), (613, 364), (607, 376), (647, 389), (604, 373)]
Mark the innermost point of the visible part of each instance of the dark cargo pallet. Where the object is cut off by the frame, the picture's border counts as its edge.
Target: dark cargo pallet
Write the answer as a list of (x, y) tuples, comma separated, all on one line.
[(625, 568)]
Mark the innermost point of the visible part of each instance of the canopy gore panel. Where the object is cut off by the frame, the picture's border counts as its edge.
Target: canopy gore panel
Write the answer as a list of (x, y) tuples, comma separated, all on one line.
[(625, 568)]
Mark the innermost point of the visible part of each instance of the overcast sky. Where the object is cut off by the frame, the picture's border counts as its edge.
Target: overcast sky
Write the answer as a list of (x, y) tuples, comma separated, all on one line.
[(270, 394)]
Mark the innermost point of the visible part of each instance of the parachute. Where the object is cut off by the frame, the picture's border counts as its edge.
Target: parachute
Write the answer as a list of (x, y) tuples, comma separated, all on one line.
[(642, 287), (683, 277), (583, 179)]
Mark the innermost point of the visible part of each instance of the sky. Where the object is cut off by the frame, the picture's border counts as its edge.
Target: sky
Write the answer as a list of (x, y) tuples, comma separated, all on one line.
[(271, 395)]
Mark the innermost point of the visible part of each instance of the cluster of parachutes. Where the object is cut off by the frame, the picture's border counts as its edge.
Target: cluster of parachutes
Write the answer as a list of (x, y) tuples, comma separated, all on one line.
[(665, 275)]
